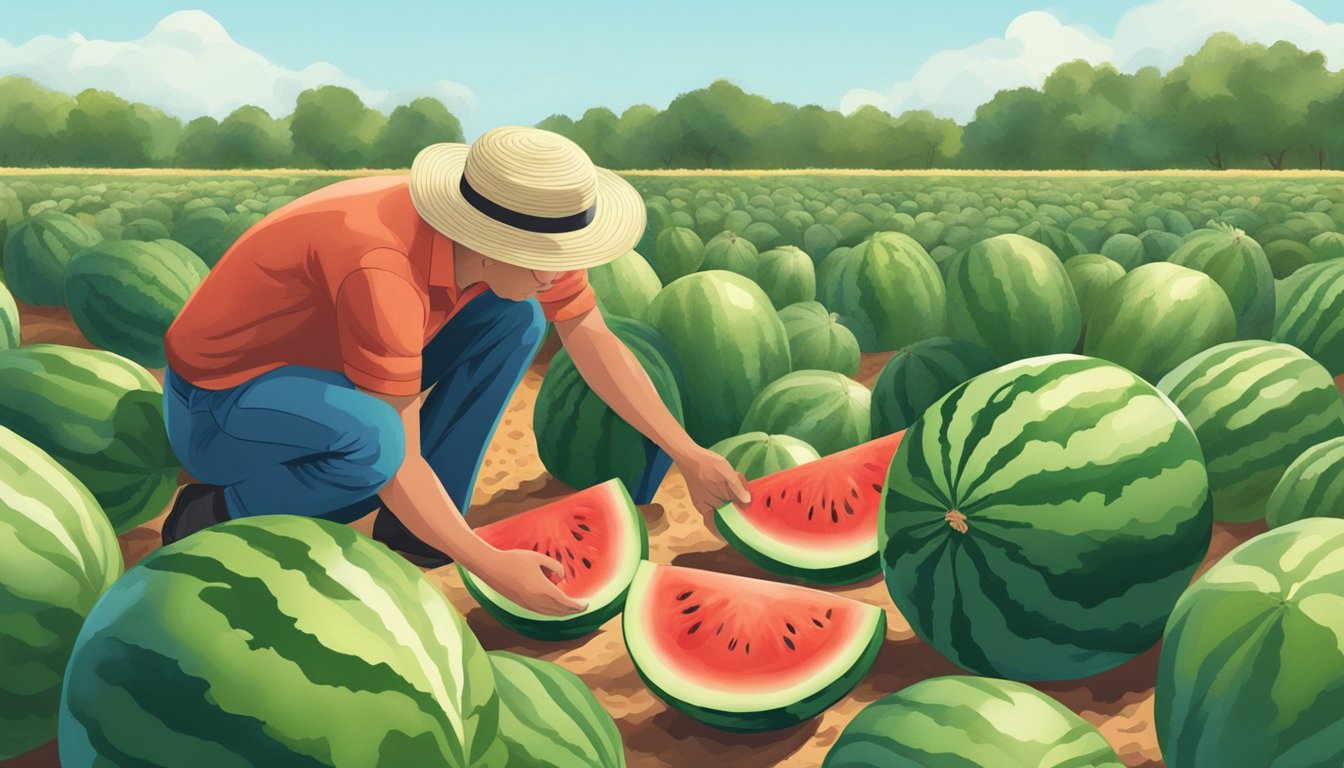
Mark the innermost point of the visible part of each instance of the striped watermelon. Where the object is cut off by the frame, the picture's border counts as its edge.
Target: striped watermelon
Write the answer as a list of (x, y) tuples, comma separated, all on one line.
[(57, 555), (207, 237), (9, 320), (1158, 245), (580, 439), (1252, 666), (997, 723), (817, 340), (37, 252), (1256, 406), (1311, 314), (731, 345), (679, 253), (730, 252), (1157, 317), (549, 719), (123, 295), (1328, 245), (1012, 296), (1288, 256), (1124, 249), (1091, 274), (1312, 486), (887, 290), (787, 276), (99, 415), (756, 454), (625, 286), (277, 641), (919, 375), (1238, 264), (827, 410), (1041, 519)]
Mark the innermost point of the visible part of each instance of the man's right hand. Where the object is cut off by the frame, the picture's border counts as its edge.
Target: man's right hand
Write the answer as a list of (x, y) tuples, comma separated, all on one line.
[(520, 575)]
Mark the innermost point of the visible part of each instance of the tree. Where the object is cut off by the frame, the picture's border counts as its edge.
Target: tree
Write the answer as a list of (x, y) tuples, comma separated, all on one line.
[(250, 138), (1008, 132), (197, 148), (411, 128), (30, 118), (332, 128), (103, 130)]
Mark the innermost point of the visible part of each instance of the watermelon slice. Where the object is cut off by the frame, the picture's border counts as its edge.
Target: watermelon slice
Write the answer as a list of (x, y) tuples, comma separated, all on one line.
[(598, 535), (743, 654), (817, 521)]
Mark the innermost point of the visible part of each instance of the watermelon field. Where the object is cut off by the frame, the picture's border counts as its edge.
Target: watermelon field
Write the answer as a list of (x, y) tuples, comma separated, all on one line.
[(1047, 469)]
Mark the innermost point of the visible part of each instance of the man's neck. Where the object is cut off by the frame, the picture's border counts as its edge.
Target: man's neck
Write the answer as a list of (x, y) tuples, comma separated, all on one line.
[(467, 266)]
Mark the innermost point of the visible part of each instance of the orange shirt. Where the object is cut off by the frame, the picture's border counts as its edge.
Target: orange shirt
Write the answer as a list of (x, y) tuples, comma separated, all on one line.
[(349, 279)]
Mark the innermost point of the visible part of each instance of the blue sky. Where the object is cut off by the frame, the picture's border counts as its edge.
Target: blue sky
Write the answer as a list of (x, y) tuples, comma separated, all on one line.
[(517, 62)]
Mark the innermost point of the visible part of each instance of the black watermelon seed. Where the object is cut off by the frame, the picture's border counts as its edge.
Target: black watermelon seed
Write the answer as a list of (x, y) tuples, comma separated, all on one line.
[(577, 536), (694, 627), (748, 648), (683, 595), (587, 563), (828, 612), (789, 643), (789, 627), (583, 527), (732, 644), (692, 609), (818, 623)]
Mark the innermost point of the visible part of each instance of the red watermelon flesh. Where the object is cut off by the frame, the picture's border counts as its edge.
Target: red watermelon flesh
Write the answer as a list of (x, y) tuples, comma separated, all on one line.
[(816, 521)]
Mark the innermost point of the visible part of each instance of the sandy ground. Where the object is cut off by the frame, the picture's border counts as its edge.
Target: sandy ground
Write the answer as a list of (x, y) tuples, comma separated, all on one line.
[(1119, 702)]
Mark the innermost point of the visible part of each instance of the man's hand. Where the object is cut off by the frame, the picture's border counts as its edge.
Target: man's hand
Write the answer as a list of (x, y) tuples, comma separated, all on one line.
[(712, 482), (520, 575)]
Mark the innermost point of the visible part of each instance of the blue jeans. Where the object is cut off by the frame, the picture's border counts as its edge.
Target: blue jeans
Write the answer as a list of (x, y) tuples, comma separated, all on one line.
[(301, 440)]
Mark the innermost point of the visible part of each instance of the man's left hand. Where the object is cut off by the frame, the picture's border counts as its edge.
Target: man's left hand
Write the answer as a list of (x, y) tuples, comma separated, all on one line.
[(712, 482)]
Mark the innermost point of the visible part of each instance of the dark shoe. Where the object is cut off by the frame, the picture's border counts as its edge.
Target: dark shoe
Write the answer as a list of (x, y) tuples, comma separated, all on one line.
[(198, 506), (388, 530)]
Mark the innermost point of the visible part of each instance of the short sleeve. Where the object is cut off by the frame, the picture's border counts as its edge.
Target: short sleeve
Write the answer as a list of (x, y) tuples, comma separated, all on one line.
[(569, 296), (380, 319)]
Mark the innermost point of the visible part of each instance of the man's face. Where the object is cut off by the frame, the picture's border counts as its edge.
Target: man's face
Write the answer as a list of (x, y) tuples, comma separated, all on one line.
[(516, 283)]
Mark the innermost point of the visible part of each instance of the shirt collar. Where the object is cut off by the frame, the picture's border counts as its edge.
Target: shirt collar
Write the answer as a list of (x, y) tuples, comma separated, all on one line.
[(440, 258)]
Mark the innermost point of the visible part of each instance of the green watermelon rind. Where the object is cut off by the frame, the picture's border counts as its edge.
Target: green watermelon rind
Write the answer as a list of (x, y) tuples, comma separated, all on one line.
[(602, 607), (814, 566), (756, 714), (548, 718)]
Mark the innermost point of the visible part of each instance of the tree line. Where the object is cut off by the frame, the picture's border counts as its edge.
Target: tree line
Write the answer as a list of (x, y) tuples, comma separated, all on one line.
[(1231, 104)]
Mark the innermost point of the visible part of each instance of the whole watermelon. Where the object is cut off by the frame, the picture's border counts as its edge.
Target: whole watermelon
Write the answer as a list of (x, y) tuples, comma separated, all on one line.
[(888, 291), (730, 342), (1091, 274), (625, 286), (278, 640), (656, 219), (1040, 521), (1311, 314), (145, 229), (787, 276), (59, 555), (549, 719), (819, 240), (1239, 265), (1328, 245), (1059, 242), (1157, 317), (1012, 296), (1287, 256), (827, 410), (36, 254), (756, 454), (1256, 406), (1125, 250), (1158, 245), (124, 294), (207, 237), (1312, 486), (730, 252), (679, 253), (580, 439), (817, 340), (997, 723), (919, 375), (1252, 667), (99, 415), (9, 320)]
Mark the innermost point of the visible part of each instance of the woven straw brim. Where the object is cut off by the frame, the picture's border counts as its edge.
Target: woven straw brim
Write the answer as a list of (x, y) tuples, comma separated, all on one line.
[(617, 223)]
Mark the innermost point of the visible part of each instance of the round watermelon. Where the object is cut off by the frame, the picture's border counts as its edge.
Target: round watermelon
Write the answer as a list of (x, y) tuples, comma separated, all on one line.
[(625, 286), (819, 240), (59, 555), (817, 340), (597, 535), (656, 220), (1287, 256), (1040, 520), (1239, 266), (581, 441), (742, 654), (1328, 245), (997, 723), (730, 342), (679, 253), (1125, 250), (1252, 665), (756, 454), (549, 719), (787, 276), (1012, 296), (1311, 314), (1091, 274), (9, 320), (1312, 486), (762, 235), (887, 290), (277, 640), (207, 237), (145, 229), (37, 252), (1256, 406), (1157, 317), (829, 411), (1158, 245), (919, 375), (99, 415), (1059, 242), (730, 252)]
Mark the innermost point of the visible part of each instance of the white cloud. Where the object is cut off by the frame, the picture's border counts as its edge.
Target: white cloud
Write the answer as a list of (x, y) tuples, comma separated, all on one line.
[(189, 66), (954, 82)]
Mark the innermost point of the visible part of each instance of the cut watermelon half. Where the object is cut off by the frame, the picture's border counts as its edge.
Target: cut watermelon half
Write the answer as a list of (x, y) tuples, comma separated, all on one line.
[(743, 654), (816, 521), (598, 535)]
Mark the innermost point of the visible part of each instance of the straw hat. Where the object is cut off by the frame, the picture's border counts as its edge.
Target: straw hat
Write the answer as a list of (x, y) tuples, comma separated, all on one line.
[(527, 197)]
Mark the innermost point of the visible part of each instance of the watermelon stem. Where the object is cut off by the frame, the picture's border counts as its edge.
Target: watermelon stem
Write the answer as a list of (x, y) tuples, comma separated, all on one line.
[(957, 520)]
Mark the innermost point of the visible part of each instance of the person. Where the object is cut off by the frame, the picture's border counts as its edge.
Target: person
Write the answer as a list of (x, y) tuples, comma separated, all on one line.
[(355, 350)]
